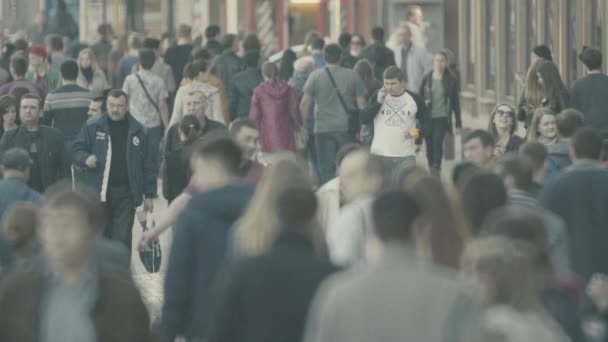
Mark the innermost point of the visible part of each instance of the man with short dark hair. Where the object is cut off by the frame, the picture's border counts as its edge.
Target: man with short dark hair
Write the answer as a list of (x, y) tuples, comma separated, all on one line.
[(97, 106), (46, 145), (567, 122), (517, 174), (197, 254), (212, 44), (478, 147), (589, 93), (374, 303), (228, 63), (160, 68), (536, 153), (57, 52), (243, 85), (18, 71), (332, 120), (66, 108), (121, 165), (580, 196), (178, 56), (395, 113), (103, 46), (348, 60), (378, 52), (149, 96), (316, 52)]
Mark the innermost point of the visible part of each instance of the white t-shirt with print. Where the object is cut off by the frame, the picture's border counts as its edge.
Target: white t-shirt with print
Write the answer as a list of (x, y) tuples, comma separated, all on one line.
[(397, 117)]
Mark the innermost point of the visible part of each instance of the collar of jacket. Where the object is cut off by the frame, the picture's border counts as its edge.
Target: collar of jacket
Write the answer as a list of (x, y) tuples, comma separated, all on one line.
[(134, 125)]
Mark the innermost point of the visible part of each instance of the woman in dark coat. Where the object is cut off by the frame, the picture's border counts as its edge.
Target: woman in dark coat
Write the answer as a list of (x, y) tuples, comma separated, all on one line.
[(503, 125)]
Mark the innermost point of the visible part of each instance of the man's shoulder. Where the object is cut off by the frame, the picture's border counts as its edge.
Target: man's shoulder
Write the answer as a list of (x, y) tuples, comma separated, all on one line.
[(215, 125), (51, 131)]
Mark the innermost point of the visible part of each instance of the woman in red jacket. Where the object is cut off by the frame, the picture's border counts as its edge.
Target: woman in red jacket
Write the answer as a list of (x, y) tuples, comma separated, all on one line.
[(274, 106)]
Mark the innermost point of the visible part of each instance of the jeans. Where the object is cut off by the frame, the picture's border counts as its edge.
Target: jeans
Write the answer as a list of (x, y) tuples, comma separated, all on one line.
[(434, 143), (393, 165), (155, 135), (327, 145), (120, 215)]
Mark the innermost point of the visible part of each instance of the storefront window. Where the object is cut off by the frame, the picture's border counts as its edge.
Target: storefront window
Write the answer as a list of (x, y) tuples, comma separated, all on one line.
[(490, 44), (511, 48), (532, 28), (470, 42)]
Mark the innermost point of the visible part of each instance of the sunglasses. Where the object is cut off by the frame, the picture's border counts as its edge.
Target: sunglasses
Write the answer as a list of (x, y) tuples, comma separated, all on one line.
[(504, 112)]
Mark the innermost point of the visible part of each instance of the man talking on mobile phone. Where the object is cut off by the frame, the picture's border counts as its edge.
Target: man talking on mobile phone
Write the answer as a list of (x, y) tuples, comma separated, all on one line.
[(396, 114)]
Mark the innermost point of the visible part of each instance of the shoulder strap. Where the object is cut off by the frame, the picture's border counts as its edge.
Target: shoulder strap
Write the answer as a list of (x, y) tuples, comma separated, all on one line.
[(147, 94), (333, 82)]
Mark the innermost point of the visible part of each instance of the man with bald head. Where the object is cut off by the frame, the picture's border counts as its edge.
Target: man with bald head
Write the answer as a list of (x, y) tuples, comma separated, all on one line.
[(361, 176)]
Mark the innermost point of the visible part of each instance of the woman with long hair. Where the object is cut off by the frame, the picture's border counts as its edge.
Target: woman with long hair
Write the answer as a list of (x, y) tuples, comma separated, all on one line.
[(532, 95), (259, 226), (441, 232), (543, 128), (90, 75), (357, 44), (503, 125), (544, 88), (274, 106), (8, 113), (441, 94), (286, 68)]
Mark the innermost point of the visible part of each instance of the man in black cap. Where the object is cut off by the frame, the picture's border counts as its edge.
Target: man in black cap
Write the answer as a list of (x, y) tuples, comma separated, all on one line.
[(16, 165)]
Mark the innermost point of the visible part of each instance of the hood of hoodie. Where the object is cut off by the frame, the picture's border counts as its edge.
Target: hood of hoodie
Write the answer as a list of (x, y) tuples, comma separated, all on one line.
[(277, 89), (225, 204)]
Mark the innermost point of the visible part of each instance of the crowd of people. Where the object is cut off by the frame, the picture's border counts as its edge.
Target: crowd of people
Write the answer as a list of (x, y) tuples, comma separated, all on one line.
[(299, 209)]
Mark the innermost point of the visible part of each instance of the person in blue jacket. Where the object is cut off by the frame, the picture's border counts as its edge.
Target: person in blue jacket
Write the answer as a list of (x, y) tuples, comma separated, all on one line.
[(116, 161)]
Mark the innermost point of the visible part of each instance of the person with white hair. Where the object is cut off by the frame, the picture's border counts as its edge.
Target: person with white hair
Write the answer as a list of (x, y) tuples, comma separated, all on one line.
[(412, 60)]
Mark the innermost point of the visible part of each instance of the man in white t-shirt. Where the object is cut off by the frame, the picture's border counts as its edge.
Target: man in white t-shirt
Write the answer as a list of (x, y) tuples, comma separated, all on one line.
[(396, 114)]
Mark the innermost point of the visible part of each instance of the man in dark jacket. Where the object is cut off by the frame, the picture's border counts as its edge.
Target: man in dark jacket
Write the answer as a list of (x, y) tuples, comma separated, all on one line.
[(211, 34), (119, 164), (178, 56), (348, 60), (196, 104), (46, 145), (378, 54), (580, 197), (228, 63), (266, 298), (71, 296), (589, 93), (16, 164), (200, 239), (243, 85), (567, 122)]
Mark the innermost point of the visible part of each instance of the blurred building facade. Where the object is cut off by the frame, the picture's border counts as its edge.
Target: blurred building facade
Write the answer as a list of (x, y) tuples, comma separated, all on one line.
[(496, 38)]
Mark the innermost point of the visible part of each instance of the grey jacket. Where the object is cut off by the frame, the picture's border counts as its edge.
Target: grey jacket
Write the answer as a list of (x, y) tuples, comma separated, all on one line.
[(396, 299), (418, 65)]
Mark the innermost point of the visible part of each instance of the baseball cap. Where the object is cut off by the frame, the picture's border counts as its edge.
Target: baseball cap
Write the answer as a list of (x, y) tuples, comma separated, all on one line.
[(38, 50), (16, 159)]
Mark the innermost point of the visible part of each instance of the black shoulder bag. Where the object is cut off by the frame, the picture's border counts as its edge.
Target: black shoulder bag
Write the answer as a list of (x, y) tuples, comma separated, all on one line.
[(353, 114), (147, 94)]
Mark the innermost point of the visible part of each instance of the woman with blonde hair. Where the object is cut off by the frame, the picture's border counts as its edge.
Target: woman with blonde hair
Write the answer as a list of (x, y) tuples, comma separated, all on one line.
[(543, 128), (532, 95), (90, 75), (258, 227)]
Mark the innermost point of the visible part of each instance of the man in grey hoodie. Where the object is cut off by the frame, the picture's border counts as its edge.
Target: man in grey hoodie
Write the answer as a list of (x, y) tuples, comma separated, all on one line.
[(568, 122)]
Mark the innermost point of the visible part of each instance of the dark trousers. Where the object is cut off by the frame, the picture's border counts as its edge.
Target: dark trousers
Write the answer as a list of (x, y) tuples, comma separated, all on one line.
[(434, 143), (120, 215), (328, 144), (155, 135)]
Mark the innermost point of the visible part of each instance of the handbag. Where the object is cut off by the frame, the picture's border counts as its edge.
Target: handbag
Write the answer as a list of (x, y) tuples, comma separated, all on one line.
[(150, 257), (353, 114)]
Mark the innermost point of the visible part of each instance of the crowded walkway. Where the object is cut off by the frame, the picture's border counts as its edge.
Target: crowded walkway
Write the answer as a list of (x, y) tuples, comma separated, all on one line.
[(192, 188)]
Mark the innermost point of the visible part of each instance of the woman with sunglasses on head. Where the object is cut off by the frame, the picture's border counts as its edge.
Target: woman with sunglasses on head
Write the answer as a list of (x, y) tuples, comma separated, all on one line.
[(503, 126)]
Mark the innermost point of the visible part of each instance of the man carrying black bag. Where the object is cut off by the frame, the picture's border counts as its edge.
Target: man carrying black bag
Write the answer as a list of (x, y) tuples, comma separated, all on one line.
[(335, 91)]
